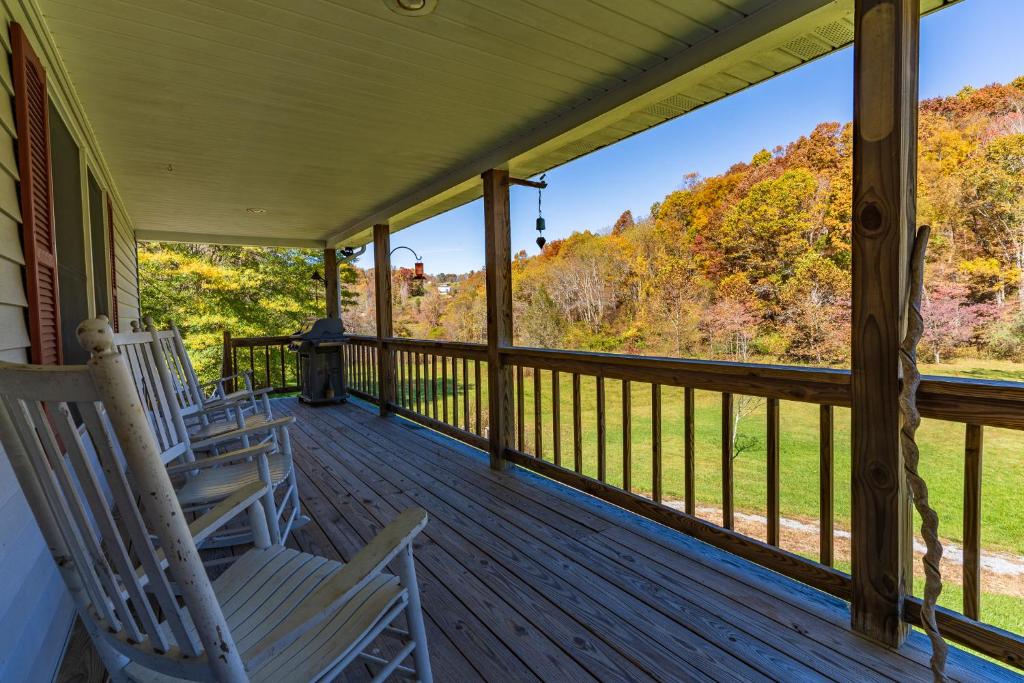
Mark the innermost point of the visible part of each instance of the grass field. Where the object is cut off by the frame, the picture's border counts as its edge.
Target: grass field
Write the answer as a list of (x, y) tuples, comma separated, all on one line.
[(941, 443)]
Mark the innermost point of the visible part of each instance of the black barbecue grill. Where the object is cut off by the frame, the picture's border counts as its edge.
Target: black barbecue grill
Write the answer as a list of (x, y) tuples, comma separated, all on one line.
[(321, 370)]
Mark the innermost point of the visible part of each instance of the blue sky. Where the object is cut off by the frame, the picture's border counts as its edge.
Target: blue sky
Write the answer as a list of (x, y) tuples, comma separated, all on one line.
[(974, 42)]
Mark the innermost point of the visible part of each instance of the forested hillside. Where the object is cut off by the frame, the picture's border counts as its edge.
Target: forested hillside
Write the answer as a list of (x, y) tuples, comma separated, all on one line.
[(750, 264), (755, 263), (207, 289)]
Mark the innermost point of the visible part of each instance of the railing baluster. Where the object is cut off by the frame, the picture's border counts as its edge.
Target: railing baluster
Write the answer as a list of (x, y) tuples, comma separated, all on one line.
[(400, 388), (627, 436), (602, 455), (357, 359), (520, 426), (465, 393), (538, 427), (284, 373), (353, 366), (455, 391), (444, 389), (973, 448), (418, 387), (556, 418), (577, 425), (827, 481), (266, 365), (657, 476), (477, 375), (433, 385), (727, 485), (772, 450), (689, 452)]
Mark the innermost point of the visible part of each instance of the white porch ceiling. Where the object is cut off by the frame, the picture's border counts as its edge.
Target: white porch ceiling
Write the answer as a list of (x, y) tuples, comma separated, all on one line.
[(336, 114)]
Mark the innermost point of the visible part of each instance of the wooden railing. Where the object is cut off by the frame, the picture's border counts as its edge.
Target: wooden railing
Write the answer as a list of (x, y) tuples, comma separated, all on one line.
[(438, 384), (443, 385), (359, 356), (268, 360)]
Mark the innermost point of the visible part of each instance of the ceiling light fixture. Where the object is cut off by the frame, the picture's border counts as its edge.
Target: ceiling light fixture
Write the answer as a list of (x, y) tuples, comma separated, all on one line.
[(411, 8), (256, 211)]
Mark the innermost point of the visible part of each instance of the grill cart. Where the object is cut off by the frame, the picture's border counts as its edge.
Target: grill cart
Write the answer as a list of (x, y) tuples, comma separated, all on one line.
[(321, 370)]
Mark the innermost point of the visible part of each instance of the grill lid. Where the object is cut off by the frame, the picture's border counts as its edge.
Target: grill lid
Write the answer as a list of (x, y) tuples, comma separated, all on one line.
[(321, 330)]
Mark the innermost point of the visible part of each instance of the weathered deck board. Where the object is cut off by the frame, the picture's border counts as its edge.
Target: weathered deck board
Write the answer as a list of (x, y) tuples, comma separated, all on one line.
[(524, 579)]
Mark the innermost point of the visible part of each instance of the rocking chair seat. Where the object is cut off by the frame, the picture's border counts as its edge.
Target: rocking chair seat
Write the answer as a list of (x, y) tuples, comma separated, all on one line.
[(216, 483), (265, 586), (224, 426)]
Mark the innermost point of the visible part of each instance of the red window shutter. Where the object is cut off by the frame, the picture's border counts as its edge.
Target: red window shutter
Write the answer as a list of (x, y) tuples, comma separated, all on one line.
[(113, 264), (40, 243)]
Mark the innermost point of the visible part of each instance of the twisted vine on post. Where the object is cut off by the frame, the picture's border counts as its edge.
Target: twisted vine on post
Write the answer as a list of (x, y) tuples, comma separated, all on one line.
[(912, 455)]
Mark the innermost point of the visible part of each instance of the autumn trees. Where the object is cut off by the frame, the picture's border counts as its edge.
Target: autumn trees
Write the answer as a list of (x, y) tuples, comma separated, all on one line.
[(750, 264)]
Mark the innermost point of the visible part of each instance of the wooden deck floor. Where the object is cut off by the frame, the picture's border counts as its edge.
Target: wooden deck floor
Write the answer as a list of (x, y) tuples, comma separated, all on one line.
[(524, 579)]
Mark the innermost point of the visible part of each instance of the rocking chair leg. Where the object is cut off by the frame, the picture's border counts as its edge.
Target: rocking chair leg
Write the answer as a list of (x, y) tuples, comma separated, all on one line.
[(269, 506), (261, 537), (414, 615)]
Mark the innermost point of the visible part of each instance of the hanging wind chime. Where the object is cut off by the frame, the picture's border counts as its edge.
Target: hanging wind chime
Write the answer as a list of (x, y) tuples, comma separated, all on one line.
[(540, 214)]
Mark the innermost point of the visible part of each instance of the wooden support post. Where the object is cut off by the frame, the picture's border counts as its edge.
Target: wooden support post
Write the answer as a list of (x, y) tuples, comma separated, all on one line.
[(884, 213), (498, 263), (385, 323), (333, 302)]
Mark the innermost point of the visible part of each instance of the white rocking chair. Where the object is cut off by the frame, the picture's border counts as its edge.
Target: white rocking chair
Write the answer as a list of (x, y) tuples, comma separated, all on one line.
[(100, 488), (210, 479), (208, 413)]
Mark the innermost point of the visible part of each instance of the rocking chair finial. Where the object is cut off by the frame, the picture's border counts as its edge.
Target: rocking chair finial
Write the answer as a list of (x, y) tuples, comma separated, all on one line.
[(150, 327), (96, 336)]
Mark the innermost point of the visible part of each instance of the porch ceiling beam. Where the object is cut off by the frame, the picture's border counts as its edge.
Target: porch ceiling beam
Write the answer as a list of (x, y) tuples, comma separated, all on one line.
[(750, 32), (239, 240)]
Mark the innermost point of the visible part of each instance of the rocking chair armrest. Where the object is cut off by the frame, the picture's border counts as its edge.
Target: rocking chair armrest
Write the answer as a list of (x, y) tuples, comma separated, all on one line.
[(322, 603), (270, 425), (224, 511), (212, 520), (219, 383), (240, 394), (222, 459), (218, 404)]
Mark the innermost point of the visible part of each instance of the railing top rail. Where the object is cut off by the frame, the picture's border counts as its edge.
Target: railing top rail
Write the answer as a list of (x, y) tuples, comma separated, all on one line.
[(993, 403), (468, 349), (261, 341)]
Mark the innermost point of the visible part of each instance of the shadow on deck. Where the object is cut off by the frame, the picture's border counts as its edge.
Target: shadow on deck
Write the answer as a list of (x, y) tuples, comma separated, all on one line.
[(525, 579)]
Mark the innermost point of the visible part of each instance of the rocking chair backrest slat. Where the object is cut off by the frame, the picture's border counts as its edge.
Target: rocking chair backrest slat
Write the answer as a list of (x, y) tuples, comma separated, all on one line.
[(129, 348), (135, 526), (68, 434), (155, 392), (81, 446), (177, 346), (71, 541), (112, 541), (170, 351)]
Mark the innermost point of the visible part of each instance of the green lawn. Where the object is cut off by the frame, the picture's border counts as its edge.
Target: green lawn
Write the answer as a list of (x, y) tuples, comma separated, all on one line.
[(941, 444)]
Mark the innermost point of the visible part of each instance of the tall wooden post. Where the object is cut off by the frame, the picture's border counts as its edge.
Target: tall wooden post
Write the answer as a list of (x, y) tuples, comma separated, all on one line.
[(385, 324), (498, 261), (331, 283), (884, 214)]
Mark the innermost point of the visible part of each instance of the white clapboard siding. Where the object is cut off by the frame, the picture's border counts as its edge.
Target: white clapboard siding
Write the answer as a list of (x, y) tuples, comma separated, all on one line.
[(36, 611)]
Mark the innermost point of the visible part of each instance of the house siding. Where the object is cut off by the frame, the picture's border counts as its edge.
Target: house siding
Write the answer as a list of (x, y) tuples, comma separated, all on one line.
[(36, 612)]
